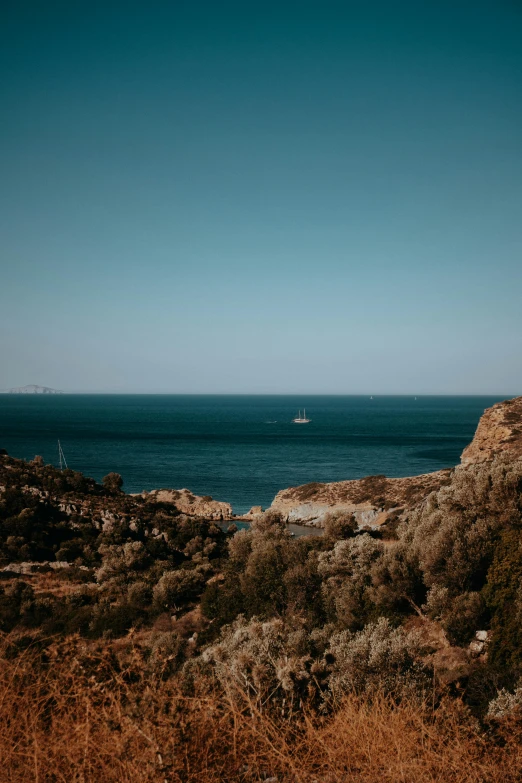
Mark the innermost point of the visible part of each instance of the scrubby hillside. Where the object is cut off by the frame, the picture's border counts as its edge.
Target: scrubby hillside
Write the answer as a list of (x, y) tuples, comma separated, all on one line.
[(82, 557), (168, 627)]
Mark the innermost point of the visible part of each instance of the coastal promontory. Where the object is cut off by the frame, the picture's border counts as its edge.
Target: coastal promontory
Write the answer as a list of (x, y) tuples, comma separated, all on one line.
[(374, 498)]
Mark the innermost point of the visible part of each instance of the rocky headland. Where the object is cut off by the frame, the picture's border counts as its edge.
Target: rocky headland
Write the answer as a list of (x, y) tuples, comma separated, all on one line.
[(499, 430), (375, 500)]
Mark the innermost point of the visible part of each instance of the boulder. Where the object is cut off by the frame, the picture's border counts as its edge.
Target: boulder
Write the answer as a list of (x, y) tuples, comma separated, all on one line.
[(478, 645)]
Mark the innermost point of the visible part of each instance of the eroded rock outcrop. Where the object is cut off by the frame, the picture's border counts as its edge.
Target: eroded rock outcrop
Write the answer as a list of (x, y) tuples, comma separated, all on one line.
[(499, 430), (188, 503)]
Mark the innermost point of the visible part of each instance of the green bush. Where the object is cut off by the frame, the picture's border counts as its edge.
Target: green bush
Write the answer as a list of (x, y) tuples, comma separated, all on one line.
[(503, 596), (177, 588)]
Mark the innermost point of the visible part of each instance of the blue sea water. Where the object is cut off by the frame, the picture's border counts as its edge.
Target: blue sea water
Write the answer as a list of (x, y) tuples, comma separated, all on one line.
[(241, 449)]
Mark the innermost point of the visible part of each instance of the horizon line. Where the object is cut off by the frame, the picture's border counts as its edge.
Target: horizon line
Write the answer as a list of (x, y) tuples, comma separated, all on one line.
[(59, 393)]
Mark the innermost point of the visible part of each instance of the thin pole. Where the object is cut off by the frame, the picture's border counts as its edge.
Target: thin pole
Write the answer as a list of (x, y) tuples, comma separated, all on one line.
[(61, 455)]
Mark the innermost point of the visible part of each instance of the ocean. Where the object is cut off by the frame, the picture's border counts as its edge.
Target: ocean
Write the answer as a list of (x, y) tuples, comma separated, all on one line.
[(241, 449)]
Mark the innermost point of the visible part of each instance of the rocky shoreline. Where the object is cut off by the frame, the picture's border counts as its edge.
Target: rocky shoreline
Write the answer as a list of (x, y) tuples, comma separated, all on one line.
[(373, 500)]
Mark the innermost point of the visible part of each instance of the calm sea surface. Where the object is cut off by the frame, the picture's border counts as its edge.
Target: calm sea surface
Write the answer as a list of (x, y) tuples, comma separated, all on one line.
[(241, 449)]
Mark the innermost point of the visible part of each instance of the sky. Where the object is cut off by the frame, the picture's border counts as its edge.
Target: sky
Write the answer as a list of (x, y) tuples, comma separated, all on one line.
[(261, 197)]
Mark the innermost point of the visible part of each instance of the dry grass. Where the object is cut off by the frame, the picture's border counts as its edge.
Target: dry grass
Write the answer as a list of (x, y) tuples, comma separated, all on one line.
[(51, 583), (71, 714)]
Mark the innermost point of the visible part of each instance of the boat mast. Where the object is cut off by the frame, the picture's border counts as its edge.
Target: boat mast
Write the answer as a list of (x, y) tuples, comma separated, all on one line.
[(61, 456)]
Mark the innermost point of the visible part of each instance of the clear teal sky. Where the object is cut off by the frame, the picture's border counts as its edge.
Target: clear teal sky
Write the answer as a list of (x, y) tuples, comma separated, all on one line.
[(261, 196)]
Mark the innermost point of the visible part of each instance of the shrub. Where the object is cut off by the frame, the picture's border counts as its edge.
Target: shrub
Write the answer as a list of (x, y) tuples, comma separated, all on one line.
[(139, 595), (112, 619), (112, 483), (506, 704), (122, 561), (503, 596), (454, 534), (222, 602), (463, 617), (377, 659), (346, 571), (259, 658), (302, 585), (167, 654), (340, 524), (176, 588), (262, 579)]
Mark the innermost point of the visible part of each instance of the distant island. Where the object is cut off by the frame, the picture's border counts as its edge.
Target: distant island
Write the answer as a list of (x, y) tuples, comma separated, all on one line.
[(31, 389)]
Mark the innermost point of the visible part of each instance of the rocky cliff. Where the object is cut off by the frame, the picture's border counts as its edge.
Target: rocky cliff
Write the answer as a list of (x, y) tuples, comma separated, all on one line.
[(374, 498), (188, 503), (499, 430)]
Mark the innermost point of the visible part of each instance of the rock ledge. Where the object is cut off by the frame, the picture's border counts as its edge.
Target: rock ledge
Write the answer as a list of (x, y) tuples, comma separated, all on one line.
[(188, 503)]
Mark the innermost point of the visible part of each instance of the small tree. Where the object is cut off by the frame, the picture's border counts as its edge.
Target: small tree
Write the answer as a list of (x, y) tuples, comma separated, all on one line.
[(176, 588), (112, 482), (340, 524)]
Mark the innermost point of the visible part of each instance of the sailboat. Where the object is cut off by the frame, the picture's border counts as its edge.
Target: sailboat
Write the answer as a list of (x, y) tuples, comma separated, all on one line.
[(61, 457), (301, 419)]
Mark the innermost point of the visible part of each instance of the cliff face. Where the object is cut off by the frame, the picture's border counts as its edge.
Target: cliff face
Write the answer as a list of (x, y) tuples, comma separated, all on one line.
[(192, 505), (499, 430), (372, 498)]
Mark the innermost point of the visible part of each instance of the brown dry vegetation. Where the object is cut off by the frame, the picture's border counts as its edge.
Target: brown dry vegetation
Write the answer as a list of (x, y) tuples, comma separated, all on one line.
[(169, 650), (72, 713)]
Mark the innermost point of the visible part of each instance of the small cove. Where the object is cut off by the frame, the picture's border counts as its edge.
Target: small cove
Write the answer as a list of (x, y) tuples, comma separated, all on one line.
[(297, 531)]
